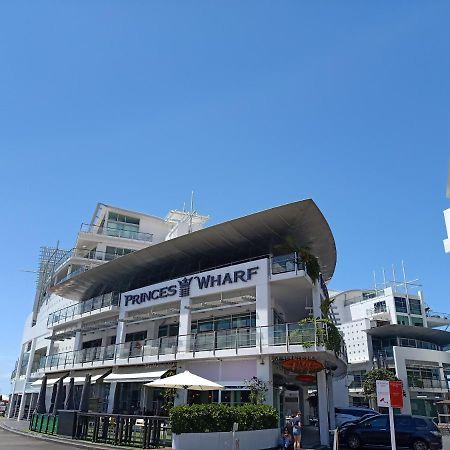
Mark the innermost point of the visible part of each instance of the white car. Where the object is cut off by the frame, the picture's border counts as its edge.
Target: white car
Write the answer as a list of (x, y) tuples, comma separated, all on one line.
[(352, 413)]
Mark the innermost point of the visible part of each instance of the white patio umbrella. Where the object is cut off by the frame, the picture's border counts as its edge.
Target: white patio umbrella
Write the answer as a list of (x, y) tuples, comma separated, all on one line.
[(186, 380)]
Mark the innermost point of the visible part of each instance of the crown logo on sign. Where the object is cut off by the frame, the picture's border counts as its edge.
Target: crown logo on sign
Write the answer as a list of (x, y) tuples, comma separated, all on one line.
[(185, 286)]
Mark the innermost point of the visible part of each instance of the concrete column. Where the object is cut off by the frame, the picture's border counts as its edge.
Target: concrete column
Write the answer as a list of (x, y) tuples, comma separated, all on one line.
[(181, 395), (27, 377), (331, 414), (400, 371), (112, 392), (120, 334), (322, 393), (316, 300), (19, 365), (184, 329), (264, 314), (264, 373)]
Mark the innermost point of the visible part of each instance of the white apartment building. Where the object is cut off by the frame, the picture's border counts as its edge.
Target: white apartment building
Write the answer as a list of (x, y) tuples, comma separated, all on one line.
[(394, 328), (140, 295)]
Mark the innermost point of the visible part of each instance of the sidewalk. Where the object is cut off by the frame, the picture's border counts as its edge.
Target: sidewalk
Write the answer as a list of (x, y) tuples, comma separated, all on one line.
[(21, 427)]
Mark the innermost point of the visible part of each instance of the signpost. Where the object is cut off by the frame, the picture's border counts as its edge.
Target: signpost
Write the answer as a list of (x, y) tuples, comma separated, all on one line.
[(390, 395)]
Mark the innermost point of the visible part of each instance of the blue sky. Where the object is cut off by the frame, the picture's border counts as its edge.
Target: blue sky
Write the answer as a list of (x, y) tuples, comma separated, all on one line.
[(250, 104)]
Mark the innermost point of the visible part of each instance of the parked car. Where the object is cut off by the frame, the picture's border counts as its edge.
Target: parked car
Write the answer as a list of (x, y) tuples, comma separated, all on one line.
[(351, 414), (414, 432)]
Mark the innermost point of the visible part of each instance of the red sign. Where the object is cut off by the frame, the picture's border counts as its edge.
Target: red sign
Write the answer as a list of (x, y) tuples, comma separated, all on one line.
[(396, 394)]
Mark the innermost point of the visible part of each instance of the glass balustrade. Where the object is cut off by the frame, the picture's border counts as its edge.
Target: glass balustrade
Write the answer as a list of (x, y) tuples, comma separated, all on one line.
[(88, 306), (281, 335)]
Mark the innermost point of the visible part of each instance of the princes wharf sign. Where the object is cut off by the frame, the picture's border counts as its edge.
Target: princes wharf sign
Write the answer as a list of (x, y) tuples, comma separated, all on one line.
[(192, 285)]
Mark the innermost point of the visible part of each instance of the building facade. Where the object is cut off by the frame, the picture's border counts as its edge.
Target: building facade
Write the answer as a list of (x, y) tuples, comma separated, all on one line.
[(447, 217), (393, 328), (139, 296)]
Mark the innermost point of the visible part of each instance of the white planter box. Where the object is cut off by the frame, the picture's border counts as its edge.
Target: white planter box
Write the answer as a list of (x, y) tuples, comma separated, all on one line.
[(248, 440)]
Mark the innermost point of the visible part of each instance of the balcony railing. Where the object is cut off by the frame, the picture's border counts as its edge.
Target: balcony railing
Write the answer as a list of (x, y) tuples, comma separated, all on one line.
[(437, 315), (86, 307), (310, 335), (426, 383), (114, 232), (286, 263)]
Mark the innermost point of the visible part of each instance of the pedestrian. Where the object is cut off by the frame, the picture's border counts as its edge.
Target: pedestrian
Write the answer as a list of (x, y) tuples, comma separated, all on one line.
[(286, 441), (296, 423)]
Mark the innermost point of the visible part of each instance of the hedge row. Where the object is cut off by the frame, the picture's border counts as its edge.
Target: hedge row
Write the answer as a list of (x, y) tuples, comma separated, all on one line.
[(208, 418)]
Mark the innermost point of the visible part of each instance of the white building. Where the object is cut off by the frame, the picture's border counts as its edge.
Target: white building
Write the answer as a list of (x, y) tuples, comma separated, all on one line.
[(139, 295), (395, 329)]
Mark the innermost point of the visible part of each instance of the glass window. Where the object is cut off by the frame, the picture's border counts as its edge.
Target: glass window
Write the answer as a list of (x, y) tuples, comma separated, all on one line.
[(402, 320), (414, 306), (416, 321), (400, 304), (403, 423), (379, 307), (378, 423)]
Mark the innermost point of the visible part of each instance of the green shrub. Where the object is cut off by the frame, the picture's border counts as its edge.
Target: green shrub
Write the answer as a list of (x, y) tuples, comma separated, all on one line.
[(214, 417)]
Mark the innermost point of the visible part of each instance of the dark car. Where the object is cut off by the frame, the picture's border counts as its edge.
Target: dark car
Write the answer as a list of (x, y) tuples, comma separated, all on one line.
[(414, 432)]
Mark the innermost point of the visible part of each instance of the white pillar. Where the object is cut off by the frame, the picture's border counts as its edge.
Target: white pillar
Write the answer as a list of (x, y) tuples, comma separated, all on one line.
[(316, 300), (323, 408), (120, 331), (400, 371), (331, 413), (264, 313), (264, 373), (27, 377), (181, 395), (19, 365), (184, 329), (112, 393), (78, 337)]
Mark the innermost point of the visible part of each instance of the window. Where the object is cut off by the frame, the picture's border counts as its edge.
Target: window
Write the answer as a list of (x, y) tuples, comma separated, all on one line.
[(378, 423), (403, 423), (416, 321), (122, 226), (402, 320), (138, 336), (400, 304), (168, 330), (114, 252), (414, 306), (379, 307)]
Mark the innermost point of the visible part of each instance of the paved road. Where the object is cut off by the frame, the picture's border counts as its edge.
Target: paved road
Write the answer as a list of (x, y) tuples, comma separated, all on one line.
[(12, 441)]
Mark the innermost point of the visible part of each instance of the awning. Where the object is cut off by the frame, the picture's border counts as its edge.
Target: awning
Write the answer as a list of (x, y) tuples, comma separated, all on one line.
[(50, 380), (80, 376), (134, 377)]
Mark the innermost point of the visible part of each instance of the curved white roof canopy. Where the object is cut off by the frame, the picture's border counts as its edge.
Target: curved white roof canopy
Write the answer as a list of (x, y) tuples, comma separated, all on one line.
[(248, 237)]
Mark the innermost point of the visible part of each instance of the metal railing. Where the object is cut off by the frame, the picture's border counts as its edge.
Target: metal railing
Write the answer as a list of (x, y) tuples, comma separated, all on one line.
[(426, 383), (437, 315), (88, 306), (312, 336), (115, 232), (286, 263), (44, 423), (72, 274), (377, 310), (127, 430)]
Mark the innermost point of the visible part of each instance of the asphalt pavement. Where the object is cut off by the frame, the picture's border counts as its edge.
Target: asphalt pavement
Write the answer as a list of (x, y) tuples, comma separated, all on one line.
[(13, 441)]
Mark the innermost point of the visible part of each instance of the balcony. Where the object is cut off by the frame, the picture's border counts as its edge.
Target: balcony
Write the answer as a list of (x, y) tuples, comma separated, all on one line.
[(426, 383), (81, 309), (286, 263), (437, 319), (380, 312), (282, 339), (115, 232)]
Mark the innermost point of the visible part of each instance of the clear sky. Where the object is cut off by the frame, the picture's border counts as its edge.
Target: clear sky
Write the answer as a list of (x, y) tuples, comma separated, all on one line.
[(250, 104)]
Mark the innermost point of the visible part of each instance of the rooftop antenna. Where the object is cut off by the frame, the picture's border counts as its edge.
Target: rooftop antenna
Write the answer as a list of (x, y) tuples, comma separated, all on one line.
[(384, 278), (404, 279), (393, 275), (191, 213), (375, 280)]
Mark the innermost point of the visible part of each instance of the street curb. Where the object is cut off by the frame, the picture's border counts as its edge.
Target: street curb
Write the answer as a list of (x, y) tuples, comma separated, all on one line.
[(48, 438)]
